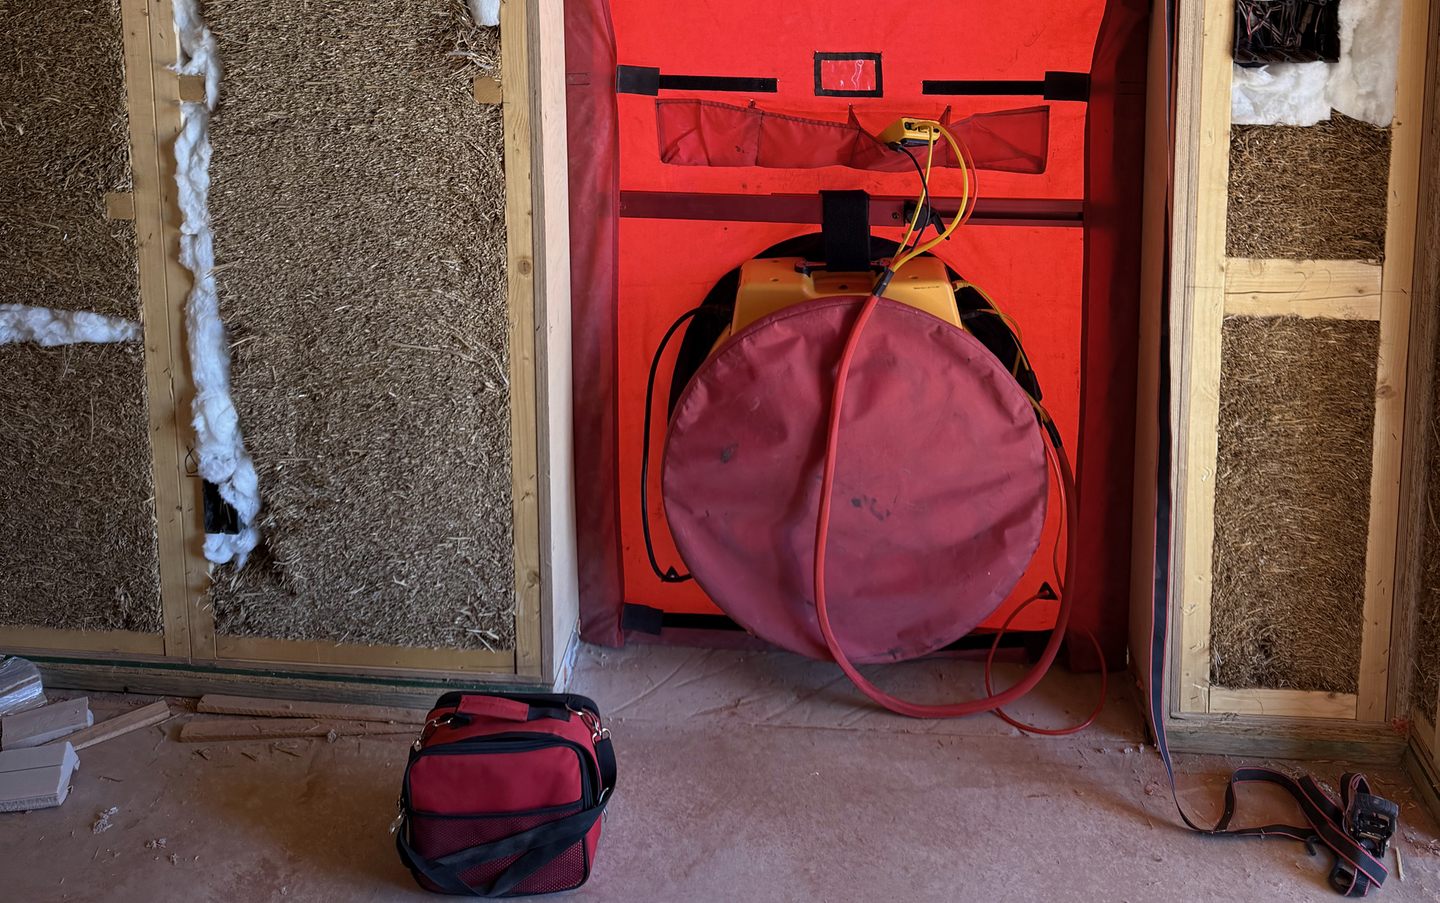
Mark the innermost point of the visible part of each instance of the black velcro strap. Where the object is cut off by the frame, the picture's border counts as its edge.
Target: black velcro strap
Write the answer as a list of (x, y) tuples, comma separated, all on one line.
[(535, 848), (642, 619), (648, 81), (1067, 86), (1055, 86), (845, 223), (637, 80)]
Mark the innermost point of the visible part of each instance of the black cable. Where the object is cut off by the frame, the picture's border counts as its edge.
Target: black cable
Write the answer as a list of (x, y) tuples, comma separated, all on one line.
[(930, 215), (671, 575)]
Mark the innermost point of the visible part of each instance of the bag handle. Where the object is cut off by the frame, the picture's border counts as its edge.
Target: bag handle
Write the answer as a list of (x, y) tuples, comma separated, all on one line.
[(536, 847), (494, 707)]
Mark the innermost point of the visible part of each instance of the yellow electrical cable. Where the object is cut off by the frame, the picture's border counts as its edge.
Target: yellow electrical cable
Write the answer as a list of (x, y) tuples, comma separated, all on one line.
[(964, 197), (924, 194)]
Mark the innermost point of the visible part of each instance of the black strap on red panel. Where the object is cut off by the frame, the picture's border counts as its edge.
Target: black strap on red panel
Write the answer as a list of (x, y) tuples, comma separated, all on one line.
[(845, 224), (1055, 86), (648, 80)]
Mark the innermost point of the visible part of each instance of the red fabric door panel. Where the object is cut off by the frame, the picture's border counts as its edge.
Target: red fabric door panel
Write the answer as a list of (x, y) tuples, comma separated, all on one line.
[(707, 133)]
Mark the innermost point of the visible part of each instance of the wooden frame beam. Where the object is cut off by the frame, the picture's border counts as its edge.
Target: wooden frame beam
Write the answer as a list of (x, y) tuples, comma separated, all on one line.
[(1338, 289), (1199, 383), (1390, 380)]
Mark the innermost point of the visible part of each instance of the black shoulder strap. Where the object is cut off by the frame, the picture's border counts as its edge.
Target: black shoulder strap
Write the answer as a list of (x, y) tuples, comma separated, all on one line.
[(536, 847)]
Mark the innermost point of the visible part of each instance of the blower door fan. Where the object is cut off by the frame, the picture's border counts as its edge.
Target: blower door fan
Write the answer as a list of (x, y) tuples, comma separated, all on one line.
[(940, 488)]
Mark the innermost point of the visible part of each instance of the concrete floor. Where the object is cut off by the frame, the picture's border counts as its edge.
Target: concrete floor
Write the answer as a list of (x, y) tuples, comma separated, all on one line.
[(743, 776)]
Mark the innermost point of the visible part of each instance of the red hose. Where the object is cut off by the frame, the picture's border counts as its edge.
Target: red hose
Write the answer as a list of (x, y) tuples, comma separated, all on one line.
[(822, 529)]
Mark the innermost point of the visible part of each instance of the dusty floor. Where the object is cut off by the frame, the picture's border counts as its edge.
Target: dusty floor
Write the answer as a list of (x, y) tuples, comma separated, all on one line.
[(743, 776)]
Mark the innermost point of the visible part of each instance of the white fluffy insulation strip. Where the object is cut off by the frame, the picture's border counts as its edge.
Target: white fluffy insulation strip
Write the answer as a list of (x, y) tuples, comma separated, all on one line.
[(485, 12), (219, 448), (1361, 85), (44, 326)]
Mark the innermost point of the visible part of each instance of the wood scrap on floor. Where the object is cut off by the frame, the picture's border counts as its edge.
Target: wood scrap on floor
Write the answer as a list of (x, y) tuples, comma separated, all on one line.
[(283, 708), (220, 729), (39, 726), (154, 713), (36, 778)]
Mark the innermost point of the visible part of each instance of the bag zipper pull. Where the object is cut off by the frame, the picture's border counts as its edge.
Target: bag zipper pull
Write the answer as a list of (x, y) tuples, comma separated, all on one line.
[(399, 819)]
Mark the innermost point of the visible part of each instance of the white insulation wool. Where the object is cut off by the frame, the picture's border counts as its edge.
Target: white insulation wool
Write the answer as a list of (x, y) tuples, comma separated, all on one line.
[(219, 448), (486, 12), (1361, 85), (44, 326)]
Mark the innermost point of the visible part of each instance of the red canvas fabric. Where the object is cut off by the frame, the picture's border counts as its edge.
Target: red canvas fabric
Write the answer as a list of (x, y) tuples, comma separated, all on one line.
[(462, 785), (1074, 294), (940, 487), (593, 133), (708, 133)]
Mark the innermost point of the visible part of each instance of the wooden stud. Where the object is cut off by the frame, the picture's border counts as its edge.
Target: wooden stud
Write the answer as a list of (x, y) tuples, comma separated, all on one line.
[(222, 729), (258, 649), (1414, 515), (559, 557), (1396, 281), (516, 36), (109, 729), (19, 640), (1282, 703), (404, 687), (120, 205), (487, 90), (276, 708), (153, 126), (1423, 736), (1281, 737), (1200, 368), (1338, 289)]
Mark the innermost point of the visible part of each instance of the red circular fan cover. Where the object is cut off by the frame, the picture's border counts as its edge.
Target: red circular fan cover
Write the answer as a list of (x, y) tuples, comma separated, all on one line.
[(940, 486)]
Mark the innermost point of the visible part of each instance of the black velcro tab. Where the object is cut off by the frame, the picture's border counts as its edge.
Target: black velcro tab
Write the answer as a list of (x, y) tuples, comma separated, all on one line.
[(637, 80), (1067, 86), (1056, 86), (220, 515), (845, 223), (642, 619), (647, 80), (733, 83)]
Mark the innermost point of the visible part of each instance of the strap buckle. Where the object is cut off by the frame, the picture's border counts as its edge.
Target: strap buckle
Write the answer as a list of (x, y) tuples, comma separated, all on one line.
[(591, 720), (1371, 821)]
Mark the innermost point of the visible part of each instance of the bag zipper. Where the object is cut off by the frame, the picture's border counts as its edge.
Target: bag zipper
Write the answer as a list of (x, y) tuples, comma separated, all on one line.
[(510, 743)]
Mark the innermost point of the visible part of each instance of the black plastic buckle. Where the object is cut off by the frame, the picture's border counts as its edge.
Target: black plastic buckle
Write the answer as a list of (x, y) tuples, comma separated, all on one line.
[(1371, 820)]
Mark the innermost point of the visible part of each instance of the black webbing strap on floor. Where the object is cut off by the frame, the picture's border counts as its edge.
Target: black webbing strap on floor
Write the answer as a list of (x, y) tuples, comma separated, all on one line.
[(647, 80), (1345, 828), (536, 847)]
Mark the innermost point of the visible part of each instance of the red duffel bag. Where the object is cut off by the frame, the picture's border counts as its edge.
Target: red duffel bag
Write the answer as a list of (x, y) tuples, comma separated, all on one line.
[(503, 794)]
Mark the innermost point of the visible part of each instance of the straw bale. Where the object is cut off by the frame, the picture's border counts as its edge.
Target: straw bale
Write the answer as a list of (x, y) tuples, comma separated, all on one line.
[(358, 206), (63, 145), (1292, 502), (77, 511), (1308, 193)]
